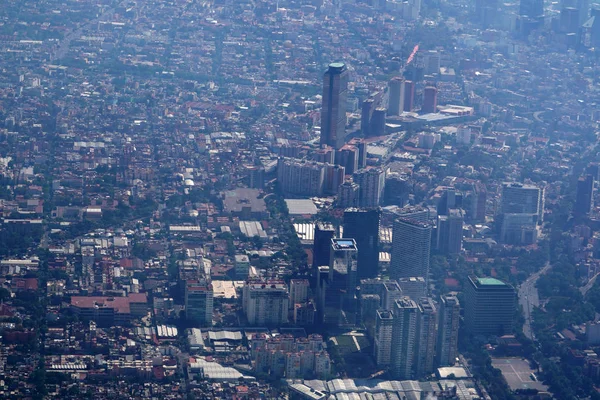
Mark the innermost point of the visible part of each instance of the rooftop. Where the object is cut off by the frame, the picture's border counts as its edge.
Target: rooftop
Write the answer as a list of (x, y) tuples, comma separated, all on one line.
[(490, 282)]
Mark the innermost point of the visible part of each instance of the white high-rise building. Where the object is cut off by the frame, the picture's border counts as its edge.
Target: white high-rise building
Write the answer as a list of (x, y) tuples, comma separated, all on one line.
[(518, 198), (199, 302), (404, 338), (449, 316), (411, 247), (427, 337), (266, 302)]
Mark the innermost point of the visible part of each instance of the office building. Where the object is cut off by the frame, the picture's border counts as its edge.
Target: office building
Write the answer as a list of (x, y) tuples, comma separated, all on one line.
[(477, 203), (397, 190), (429, 100), (368, 106), (450, 232), (333, 112), (396, 96), (362, 153), (427, 338), (363, 226), (340, 292), (371, 183), (414, 287), (447, 343), (411, 247), (518, 229), (409, 95), (348, 193), (324, 232), (518, 198), (242, 266), (199, 302), (405, 334), (490, 306), (486, 12), (531, 8), (377, 125), (431, 61), (383, 338), (298, 291), (585, 195), (266, 303)]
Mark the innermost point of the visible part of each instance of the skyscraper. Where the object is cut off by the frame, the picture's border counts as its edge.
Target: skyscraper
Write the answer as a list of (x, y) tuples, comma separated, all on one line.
[(368, 106), (341, 290), (363, 226), (409, 95), (396, 96), (383, 337), (427, 337), (199, 302), (531, 8), (405, 335), (490, 306), (447, 344), (324, 232), (411, 247), (371, 182), (333, 112), (429, 100), (449, 232), (585, 195), (377, 125)]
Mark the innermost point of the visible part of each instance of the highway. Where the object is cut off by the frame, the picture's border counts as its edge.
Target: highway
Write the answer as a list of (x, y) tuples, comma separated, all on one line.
[(528, 299)]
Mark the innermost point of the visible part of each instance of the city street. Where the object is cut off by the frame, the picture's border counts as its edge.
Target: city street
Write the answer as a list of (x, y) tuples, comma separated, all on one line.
[(528, 299)]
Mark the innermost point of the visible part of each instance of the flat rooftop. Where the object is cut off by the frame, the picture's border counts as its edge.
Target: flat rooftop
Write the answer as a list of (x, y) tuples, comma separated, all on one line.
[(490, 282)]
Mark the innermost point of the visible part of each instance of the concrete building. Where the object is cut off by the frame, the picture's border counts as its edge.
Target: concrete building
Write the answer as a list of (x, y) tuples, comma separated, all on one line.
[(396, 96), (450, 232), (371, 182), (110, 311), (383, 338), (447, 342), (425, 353), (391, 293), (301, 177), (411, 247), (414, 287), (199, 302), (298, 291), (333, 112), (348, 193), (490, 306), (405, 336), (266, 302), (518, 198), (242, 266)]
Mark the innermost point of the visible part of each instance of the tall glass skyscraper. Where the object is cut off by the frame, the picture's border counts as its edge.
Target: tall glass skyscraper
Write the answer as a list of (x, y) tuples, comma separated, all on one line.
[(333, 113)]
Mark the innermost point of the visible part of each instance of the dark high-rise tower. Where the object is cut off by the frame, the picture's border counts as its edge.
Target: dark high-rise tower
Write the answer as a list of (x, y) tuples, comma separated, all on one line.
[(531, 8), (333, 112), (429, 100), (585, 195), (363, 226), (322, 243)]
